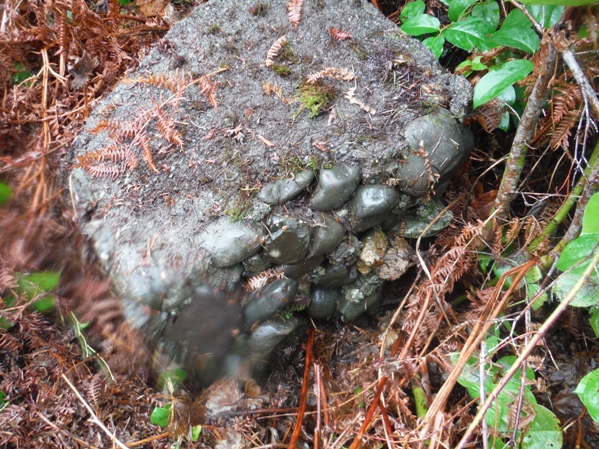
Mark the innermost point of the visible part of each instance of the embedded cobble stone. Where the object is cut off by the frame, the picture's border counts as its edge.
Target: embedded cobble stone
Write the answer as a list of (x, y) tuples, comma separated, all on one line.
[(230, 242), (283, 190), (327, 234), (266, 302), (335, 187), (288, 240)]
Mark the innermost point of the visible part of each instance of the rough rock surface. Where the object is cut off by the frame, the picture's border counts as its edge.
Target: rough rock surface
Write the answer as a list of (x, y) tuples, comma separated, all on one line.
[(252, 135)]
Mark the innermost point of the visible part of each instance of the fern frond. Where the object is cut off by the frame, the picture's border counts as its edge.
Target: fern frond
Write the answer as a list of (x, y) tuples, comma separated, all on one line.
[(350, 95), (561, 135), (146, 150), (261, 279), (566, 100), (294, 12), (166, 126), (342, 74), (208, 88), (110, 171), (175, 81), (274, 49), (338, 34)]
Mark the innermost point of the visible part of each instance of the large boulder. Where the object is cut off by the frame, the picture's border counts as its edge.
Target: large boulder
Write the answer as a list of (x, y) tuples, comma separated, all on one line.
[(244, 142)]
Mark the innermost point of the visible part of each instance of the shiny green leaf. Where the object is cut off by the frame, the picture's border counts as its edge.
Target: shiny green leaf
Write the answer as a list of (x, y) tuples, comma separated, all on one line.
[(411, 10), (590, 219), (469, 33), (435, 43), (588, 391), (496, 81), (457, 8), (419, 25)]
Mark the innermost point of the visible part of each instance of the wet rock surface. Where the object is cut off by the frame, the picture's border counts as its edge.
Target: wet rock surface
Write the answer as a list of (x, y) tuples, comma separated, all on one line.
[(335, 186), (263, 183)]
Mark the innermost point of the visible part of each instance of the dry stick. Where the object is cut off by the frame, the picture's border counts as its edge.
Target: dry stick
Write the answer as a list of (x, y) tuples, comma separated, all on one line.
[(304, 396), (377, 393), (94, 416), (528, 121), (548, 324), (476, 336), (588, 92)]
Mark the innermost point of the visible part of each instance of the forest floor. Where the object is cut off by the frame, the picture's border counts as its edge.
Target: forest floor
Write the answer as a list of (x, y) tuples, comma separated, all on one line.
[(91, 382)]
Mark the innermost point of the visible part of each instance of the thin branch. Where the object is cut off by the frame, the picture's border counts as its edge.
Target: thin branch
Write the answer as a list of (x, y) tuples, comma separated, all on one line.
[(587, 90), (94, 416), (304, 397), (530, 116)]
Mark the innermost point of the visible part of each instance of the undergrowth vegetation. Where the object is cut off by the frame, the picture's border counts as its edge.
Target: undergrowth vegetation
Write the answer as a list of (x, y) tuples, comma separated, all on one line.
[(502, 304)]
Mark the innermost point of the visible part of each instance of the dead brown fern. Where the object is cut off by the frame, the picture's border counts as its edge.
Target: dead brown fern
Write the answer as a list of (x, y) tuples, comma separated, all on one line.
[(127, 135), (294, 8)]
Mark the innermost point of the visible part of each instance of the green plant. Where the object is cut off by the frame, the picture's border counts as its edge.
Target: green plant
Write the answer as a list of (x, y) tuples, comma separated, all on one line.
[(35, 288), (315, 97), (477, 27), (5, 193), (576, 257), (538, 427), (161, 416)]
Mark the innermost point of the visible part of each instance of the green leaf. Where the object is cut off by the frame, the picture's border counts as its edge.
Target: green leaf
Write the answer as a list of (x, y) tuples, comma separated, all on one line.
[(508, 95), (5, 324), (125, 2), (469, 33), (44, 304), (544, 430), (21, 73), (412, 9), (43, 280), (587, 296), (419, 25), (496, 81), (588, 391), (161, 415), (515, 36), (5, 193), (457, 8), (196, 432), (516, 20), (546, 15), (174, 376), (590, 219), (576, 252), (504, 125), (489, 12), (435, 43), (561, 2), (594, 320)]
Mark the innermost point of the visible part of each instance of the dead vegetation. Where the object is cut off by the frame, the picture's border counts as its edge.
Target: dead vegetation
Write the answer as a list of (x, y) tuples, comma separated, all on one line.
[(346, 386)]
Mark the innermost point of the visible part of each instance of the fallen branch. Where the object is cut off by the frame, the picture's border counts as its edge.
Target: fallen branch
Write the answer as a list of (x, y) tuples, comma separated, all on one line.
[(304, 397), (94, 417)]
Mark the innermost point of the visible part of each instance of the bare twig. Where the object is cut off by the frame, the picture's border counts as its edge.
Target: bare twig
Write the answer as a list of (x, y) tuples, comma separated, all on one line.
[(304, 397), (94, 417), (588, 92), (530, 116)]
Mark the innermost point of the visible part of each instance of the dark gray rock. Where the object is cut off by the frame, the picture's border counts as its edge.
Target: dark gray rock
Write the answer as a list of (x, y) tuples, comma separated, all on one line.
[(288, 240), (421, 219), (327, 234), (370, 205), (269, 300), (230, 242), (335, 187), (350, 310), (267, 336), (336, 276), (323, 303), (281, 191), (347, 252), (445, 147), (299, 269), (254, 265)]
